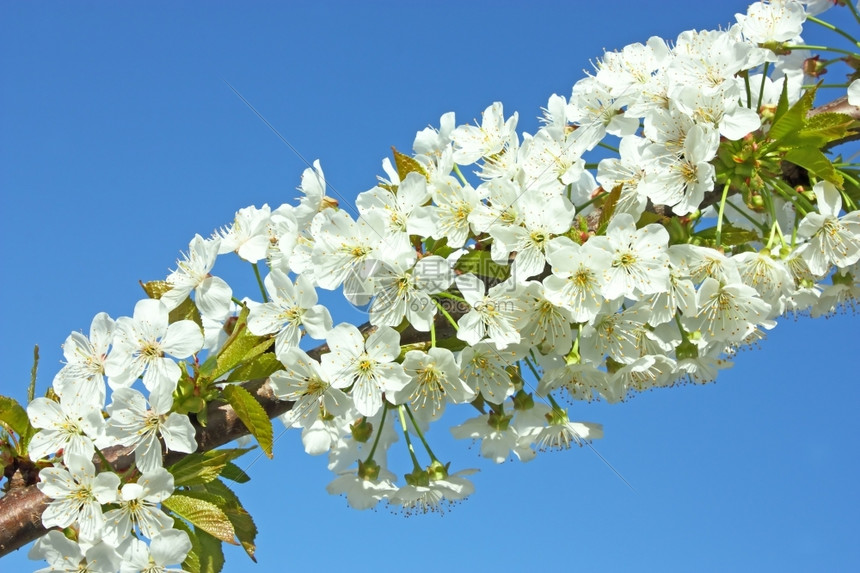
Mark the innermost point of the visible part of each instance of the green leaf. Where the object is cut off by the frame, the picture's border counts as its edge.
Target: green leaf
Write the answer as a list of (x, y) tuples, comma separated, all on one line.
[(453, 344), (482, 264), (648, 218), (243, 524), (154, 289), (608, 209), (406, 165), (201, 513), (730, 235), (262, 366), (31, 390), (438, 247), (234, 473), (828, 126), (252, 415), (186, 310), (240, 347), (782, 106), (202, 467), (793, 119), (815, 162), (211, 556), (14, 417)]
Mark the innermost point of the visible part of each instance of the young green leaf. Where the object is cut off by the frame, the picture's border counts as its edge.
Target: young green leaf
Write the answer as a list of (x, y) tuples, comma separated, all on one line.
[(262, 366), (243, 524), (482, 264), (252, 415), (406, 165), (203, 514), (202, 467), (234, 473), (14, 417)]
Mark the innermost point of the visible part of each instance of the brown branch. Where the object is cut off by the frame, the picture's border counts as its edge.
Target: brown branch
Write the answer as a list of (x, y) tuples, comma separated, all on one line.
[(22, 507)]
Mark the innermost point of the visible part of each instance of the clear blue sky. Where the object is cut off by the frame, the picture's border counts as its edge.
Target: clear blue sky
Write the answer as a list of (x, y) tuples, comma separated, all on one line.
[(119, 141)]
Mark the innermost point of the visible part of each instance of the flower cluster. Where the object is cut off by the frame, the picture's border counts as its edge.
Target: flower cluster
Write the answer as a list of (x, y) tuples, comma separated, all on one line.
[(537, 275)]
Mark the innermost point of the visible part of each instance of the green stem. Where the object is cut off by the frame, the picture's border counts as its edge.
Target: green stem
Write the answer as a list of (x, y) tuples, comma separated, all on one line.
[(800, 202), (420, 434), (761, 87), (684, 336), (718, 237), (810, 86), (748, 89), (460, 175), (833, 28), (445, 313), (415, 465), (554, 404), (107, 464), (378, 434), (452, 296), (532, 366), (432, 334), (761, 227), (236, 301), (853, 9), (260, 282), (819, 48), (578, 208), (607, 146)]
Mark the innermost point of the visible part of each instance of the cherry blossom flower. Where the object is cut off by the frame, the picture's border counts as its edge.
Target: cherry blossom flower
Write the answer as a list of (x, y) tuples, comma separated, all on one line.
[(138, 509), (491, 314), (66, 556), (77, 495), (577, 279), (435, 380), (472, 142), (71, 427), (165, 548), (131, 423), (832, 240), (248, 236), (140, 345), (211, 294), (82, 378), (292, 306), (305, 383), (367, 367), (640, 262)]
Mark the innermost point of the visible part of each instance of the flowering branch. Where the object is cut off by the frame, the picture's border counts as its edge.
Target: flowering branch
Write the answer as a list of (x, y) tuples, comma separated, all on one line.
[(603, 286)]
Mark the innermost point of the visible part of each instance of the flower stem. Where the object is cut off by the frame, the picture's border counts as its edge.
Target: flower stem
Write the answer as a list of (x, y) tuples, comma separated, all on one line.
[(445, 313), (260, 282), (460, 175), (833, 28), (378, 434), (107, 464), (763, 78), (420, 434), (607, 146), (416, 466), (718, 237), (819, 48)]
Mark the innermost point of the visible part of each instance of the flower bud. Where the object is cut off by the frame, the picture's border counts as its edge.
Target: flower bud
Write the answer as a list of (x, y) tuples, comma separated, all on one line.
[(361, 430)]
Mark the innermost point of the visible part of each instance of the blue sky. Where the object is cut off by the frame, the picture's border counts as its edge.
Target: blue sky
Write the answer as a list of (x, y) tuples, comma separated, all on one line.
[(119, 141)]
